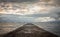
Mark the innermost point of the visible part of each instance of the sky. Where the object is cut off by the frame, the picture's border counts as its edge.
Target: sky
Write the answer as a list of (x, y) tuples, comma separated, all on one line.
[(31, 10)]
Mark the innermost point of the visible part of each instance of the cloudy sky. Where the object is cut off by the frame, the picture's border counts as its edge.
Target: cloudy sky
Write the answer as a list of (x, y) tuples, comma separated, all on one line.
[(31, 10)]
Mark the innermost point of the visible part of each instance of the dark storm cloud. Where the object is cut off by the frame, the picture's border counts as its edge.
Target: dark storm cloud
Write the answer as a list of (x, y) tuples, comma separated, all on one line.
[(19, 1)]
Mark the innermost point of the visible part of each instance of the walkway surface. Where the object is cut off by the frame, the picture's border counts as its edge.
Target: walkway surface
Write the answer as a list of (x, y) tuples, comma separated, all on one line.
[(30, 30)]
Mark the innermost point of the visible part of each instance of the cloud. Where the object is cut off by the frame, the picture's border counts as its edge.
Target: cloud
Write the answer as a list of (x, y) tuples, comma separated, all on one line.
[(44, 19), (56, 2), (35, 15), (18, 18), (19, 0), (54, 11)]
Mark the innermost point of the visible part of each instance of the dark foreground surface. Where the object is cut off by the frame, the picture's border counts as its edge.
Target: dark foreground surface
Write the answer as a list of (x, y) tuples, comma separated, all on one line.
[(30, 30)]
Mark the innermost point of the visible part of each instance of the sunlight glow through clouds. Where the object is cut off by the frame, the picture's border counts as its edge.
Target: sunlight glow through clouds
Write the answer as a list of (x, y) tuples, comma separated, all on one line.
[(29, 9), (44, 19)]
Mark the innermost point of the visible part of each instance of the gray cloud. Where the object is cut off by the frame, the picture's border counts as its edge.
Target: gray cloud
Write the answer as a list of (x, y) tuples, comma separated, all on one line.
[(19, 1), (56, 2)]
